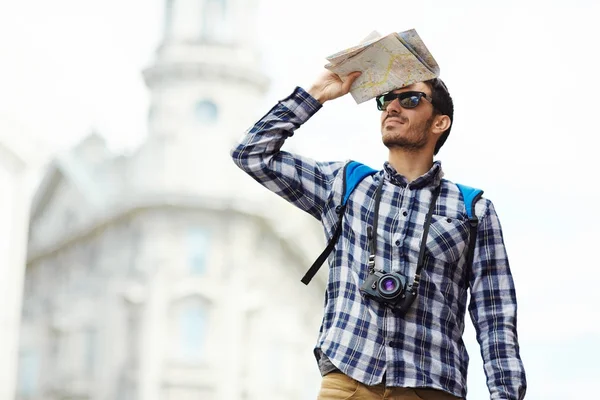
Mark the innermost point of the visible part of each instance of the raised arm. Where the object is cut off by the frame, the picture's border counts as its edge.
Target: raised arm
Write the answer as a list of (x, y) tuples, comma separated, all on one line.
[(493, 310), (300, 180)]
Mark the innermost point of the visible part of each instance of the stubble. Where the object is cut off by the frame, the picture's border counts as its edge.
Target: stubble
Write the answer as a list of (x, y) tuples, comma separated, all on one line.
[(413, 140)]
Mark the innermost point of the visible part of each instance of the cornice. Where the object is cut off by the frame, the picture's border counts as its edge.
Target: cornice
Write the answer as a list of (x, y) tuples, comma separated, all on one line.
[(143, 203), (131, 207), (167, 73)]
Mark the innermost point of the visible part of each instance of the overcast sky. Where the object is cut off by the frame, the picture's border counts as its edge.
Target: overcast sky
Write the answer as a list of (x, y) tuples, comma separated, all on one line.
[(523, 78)]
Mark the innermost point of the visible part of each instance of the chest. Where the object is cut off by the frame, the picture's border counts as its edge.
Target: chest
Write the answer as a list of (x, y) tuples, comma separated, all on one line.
[(401, 218)]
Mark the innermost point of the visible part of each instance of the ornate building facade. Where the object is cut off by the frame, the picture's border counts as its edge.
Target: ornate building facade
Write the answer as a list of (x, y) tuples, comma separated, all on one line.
[(168, 274)]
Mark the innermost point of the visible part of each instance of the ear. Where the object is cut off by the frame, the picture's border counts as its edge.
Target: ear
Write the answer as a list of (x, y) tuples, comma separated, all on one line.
[(440, 124)]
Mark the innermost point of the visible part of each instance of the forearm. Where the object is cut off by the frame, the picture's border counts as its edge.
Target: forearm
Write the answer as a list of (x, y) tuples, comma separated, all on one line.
[(265, 138), (493, 310), (300, 180)]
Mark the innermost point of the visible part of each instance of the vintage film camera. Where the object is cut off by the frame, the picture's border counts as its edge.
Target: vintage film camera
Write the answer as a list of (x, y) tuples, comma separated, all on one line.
[(387, 288)]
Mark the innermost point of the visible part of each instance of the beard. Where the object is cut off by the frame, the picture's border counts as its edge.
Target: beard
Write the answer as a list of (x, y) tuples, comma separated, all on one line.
[(413, 140)]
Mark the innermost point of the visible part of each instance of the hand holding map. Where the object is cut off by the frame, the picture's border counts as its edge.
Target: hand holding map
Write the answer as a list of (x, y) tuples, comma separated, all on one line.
[(386, 63)]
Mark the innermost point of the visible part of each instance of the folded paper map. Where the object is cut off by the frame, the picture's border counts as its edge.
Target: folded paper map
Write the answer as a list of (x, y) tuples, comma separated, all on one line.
[(386, 62)]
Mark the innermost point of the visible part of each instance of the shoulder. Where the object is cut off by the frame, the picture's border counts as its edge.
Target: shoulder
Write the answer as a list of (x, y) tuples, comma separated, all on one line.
[(457, 196)]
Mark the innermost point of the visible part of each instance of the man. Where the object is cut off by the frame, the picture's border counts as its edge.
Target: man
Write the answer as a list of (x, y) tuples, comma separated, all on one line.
[(367, 349)]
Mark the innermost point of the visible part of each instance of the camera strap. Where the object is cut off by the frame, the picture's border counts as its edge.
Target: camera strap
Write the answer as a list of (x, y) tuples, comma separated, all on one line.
[(353, 173), (372, 234)]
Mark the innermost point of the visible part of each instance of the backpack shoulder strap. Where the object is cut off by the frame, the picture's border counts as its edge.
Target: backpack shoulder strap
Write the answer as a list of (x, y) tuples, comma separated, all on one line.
[(470, 197), (353, 173)]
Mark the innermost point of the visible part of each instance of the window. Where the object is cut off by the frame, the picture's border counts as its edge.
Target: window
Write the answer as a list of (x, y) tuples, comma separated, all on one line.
[(66, 359), (198, 245), (206, 112), (191, 328), (168, 27), (214, 24), (29, 364), (183, 22), (54, 345), (89, 355)]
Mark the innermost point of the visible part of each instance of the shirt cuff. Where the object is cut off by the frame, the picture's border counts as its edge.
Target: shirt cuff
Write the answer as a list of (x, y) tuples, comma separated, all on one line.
[(302, 104)]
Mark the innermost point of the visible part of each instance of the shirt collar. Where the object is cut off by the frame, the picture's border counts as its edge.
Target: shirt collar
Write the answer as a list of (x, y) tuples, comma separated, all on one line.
[(432, 177)]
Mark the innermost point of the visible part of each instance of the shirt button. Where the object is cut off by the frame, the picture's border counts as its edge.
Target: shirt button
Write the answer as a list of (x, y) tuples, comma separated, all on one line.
[(405, 213), (392, 344), (398, 243), (448, 220)]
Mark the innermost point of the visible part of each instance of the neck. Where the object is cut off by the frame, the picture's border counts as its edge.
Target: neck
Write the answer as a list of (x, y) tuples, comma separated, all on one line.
[(410, 164)]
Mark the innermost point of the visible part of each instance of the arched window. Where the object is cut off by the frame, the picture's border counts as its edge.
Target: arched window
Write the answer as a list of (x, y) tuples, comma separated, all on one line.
[(183, 20), (215, 27), (190, 323), (168, 20), (198, 245)]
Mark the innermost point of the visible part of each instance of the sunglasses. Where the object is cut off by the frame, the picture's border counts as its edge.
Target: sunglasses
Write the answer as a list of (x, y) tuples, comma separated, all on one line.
[(406, 99)]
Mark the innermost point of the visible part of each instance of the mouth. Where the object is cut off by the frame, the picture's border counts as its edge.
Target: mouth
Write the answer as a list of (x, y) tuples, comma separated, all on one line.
[(393, 120)]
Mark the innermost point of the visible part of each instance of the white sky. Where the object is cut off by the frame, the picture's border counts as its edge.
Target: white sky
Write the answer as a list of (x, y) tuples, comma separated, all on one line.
[(523, 78)]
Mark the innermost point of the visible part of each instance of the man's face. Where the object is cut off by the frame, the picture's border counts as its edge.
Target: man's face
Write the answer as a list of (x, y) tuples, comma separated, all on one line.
[(408, 128)]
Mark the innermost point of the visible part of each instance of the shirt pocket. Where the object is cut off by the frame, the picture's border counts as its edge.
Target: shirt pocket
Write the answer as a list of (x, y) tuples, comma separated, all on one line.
[(447, 238)]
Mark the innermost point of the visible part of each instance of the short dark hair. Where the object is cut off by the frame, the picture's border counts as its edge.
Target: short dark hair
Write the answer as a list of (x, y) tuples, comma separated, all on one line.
[(442, 105)]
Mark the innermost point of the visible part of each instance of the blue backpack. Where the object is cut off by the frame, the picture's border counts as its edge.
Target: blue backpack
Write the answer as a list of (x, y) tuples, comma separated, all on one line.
[(354, 172)]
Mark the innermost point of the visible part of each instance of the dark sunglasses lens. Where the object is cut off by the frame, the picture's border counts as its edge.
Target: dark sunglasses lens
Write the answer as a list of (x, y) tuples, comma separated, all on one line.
[(406, 100), (381, 103), (410, 101)]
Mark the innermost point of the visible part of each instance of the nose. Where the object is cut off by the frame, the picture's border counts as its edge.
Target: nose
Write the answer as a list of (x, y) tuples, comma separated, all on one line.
[(394, 107)]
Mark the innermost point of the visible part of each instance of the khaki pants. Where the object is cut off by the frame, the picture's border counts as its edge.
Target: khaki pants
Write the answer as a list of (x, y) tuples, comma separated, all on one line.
[(337, 386)]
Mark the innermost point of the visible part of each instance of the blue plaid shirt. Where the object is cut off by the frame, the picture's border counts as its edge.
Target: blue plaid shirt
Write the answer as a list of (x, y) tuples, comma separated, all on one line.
[(362, 338)]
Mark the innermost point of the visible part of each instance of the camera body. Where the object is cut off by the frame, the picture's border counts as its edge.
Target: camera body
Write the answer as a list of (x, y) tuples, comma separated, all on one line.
[(388, 288)]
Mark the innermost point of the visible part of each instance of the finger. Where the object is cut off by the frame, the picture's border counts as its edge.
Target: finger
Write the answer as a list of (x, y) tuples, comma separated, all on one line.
[(350, 80)]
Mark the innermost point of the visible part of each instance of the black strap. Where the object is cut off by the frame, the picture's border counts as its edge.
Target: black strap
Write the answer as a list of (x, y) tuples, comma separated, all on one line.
[(372, 231), (412, 289), (421, 260), (471, 249), (372, 237), (332, 242), (473, 224), (334, 238)]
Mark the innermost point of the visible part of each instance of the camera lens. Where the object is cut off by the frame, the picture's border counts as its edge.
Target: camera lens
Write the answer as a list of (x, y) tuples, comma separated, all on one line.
[(389, 286)]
